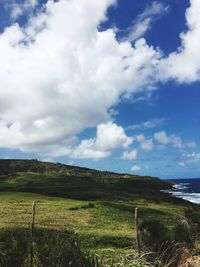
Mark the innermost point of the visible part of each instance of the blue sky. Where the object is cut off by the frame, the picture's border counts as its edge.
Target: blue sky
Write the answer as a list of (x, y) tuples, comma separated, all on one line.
[(112, 85)]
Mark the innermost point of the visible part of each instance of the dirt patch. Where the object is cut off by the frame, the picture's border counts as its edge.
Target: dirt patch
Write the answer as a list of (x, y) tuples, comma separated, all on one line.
[(192, 261)]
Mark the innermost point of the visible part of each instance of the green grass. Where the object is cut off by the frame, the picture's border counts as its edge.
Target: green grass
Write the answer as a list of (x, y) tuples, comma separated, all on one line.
[(85, 187), (106, 225), (49, 247)]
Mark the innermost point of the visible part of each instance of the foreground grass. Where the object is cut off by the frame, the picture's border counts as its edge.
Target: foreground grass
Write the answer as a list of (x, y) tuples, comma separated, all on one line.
[(99, 224)]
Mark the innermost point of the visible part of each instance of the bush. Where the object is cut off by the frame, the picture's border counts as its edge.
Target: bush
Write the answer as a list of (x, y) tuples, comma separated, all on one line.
[(50, 248), (83, 207), (192, 215), (153, 234), (182, 232), (13, 247)]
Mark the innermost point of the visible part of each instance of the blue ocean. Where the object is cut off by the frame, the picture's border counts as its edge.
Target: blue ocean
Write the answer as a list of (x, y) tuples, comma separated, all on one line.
[(188, 189)]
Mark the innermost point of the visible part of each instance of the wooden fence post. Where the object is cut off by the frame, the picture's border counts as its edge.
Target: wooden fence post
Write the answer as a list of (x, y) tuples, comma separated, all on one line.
[(31, 234), (137, 231)]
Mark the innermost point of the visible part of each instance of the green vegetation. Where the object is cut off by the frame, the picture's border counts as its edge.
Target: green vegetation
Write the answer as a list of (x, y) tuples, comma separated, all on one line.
[(62, 249), (97, 206)]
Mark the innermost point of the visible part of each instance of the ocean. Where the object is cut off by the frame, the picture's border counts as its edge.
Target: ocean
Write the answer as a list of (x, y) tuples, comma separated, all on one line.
[(188, 189)]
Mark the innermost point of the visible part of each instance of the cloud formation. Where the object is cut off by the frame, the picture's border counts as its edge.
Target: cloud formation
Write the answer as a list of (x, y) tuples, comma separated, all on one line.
[(188, 158), (18, 9), (183, 65), (60, 75), (146, 144), (164, 139), (145, 20), (148, 124), (132, 155), (136, 168), (109, 136)]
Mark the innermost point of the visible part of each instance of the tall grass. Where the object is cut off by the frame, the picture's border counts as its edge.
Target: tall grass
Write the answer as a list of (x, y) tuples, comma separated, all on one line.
[(51, 248), (56, 248)]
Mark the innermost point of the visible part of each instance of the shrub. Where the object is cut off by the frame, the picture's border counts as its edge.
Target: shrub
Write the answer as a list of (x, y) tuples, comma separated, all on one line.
[(153, 234), (13, 247), (183, 232), (50, 248), (84, 207)]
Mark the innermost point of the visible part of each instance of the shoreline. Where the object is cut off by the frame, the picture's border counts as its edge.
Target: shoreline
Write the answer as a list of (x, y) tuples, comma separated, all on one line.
[(178, 191)]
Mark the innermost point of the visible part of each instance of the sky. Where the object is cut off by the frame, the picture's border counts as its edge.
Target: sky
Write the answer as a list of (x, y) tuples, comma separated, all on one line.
[(106, 84)]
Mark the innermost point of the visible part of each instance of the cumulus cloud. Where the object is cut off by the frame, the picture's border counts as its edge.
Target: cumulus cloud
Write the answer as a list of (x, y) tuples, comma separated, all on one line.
[(160, 140), (136, 168), (145, 20), (109, 136), (184, 64), (190, 158), (60, 75), (164, 139), (146, 144), (132, 155), (18, 9)]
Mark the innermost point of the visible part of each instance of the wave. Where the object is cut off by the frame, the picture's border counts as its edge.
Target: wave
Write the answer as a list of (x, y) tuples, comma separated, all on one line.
[(192, 197), (179, 191), (181, 186)]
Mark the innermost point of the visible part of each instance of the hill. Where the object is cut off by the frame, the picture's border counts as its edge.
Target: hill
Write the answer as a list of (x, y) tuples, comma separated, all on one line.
[(55, 179)]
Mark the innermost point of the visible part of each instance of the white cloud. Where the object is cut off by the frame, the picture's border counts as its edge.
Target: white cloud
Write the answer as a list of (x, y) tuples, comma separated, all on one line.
[(109, 136), (146, 144), (164, 139), (148, 124), (136, 168), (18, 9), (160, 140), (70, 162), (184, 64), (145, 20), (191, 157), (132, 155), (87, 149), (191, 144), (60, 75), (48, 160)]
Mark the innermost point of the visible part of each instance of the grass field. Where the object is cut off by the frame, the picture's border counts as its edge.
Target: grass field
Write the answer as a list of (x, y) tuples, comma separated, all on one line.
[(98, 224)]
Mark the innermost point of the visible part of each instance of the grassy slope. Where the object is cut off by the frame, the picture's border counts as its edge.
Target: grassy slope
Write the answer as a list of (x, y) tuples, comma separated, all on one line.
[(64, 200)]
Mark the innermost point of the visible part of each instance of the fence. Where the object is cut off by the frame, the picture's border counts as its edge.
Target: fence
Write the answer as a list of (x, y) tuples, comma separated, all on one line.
[(51, 215)]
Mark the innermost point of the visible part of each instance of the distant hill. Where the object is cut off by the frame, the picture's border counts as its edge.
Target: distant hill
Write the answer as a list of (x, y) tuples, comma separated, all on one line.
[(8, 166), (57, 179)]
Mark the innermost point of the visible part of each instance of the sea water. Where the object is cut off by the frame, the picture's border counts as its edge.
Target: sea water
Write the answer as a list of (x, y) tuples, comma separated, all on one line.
[(188, 189)]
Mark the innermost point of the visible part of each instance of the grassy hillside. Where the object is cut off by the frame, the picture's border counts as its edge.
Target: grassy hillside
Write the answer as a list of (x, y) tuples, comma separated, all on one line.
[(75, 182), (98, 206)]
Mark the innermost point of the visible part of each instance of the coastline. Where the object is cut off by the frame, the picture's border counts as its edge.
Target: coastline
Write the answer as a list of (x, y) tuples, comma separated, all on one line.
[(182, 190)]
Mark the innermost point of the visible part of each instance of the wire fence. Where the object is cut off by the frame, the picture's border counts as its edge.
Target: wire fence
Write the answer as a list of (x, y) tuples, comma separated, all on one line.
[(73, 216), (36, 216)]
